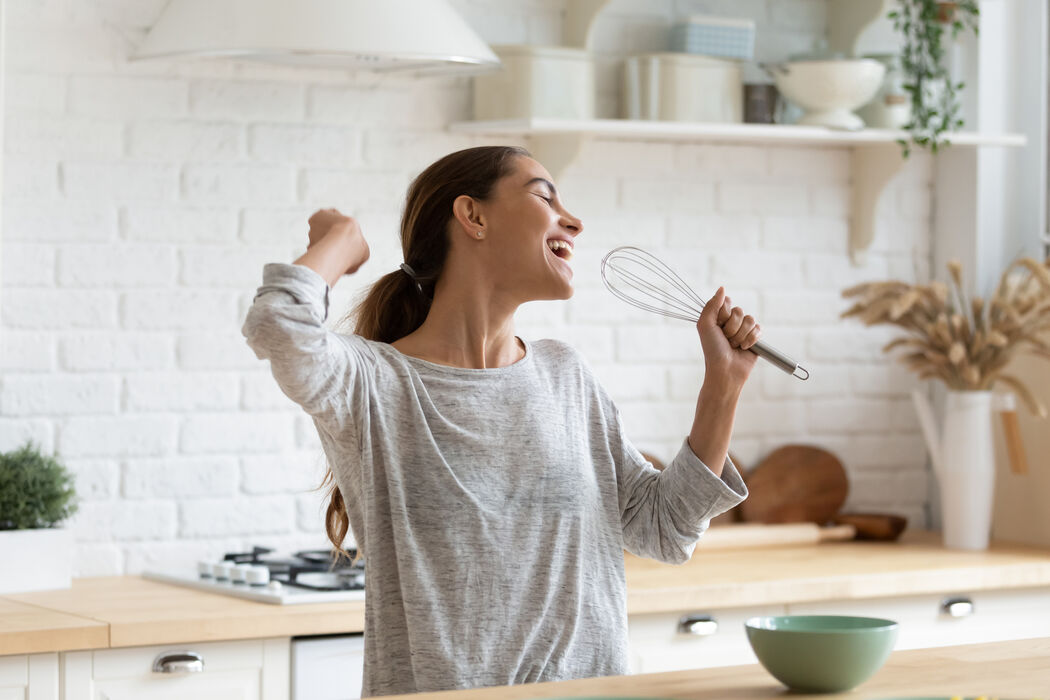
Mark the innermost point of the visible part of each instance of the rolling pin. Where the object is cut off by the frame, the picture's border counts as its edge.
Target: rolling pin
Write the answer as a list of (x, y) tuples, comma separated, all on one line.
[(743, 535)]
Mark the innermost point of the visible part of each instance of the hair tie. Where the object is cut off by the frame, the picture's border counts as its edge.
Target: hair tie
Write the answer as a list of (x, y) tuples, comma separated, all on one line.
[(407, 269)]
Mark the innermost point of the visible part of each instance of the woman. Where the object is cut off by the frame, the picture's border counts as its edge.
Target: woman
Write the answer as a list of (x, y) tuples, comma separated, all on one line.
[(486, 478)]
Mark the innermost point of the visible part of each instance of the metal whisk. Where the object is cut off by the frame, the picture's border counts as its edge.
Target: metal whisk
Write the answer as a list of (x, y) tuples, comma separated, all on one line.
[(646, 282)]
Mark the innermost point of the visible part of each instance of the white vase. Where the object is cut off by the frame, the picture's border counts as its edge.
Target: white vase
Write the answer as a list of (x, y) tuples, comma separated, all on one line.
[(36, 560), (963, 457)]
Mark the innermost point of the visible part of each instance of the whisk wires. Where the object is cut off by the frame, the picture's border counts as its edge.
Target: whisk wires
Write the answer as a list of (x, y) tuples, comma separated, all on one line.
[(644, 281)]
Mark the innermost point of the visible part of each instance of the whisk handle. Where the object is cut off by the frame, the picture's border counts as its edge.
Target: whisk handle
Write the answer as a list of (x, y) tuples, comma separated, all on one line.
[(771, 354)]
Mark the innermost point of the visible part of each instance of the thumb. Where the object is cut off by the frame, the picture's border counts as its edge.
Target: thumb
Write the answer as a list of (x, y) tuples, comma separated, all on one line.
[(709, 316)]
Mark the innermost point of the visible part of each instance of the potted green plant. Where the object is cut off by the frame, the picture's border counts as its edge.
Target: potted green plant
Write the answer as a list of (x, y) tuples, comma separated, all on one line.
[(934, 95), (36, 495)]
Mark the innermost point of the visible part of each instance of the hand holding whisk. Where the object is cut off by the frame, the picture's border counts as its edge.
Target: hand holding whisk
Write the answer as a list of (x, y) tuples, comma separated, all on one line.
[(644, 281)]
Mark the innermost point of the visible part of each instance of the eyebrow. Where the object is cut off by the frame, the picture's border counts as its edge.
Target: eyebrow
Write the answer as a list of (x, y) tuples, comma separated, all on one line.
[(545, 181)]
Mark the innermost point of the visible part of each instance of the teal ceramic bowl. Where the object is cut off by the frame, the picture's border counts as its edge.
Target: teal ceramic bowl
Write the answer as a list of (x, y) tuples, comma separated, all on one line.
[(821, 653)]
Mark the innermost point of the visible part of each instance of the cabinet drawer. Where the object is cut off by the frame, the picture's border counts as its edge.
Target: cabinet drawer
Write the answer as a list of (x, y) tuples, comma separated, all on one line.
[(657, 644), (138, 661), (329, 667), (996, 616), (253, 669)]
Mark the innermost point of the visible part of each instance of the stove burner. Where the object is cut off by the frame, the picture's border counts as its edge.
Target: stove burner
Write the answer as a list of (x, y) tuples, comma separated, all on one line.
[(317, 570)]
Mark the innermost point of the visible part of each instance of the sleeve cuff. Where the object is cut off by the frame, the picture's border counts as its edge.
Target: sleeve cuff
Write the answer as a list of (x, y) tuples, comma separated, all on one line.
[(301, 282), (718, 494)]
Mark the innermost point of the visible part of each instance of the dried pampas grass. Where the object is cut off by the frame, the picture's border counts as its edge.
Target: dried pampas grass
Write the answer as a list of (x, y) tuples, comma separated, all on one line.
[(966, 343)]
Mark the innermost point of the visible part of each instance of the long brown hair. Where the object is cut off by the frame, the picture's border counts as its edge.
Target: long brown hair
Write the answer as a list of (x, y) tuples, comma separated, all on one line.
[(396, 304)]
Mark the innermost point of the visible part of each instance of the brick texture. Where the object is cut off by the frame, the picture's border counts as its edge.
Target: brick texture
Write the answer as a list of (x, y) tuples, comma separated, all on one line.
[(141, 201)]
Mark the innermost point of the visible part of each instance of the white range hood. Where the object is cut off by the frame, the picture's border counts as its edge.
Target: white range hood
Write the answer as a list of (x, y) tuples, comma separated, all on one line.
[(415, 36)]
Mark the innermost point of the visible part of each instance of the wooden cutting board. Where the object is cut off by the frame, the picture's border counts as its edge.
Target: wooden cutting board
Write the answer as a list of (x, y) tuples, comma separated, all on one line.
[(796, 484)]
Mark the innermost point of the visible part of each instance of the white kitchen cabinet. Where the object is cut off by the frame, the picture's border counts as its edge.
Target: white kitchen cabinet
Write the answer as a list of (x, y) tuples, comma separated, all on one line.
[(984, 616), (660, 642), (924, 621), (253, 669), (29, 677), (328, 667)]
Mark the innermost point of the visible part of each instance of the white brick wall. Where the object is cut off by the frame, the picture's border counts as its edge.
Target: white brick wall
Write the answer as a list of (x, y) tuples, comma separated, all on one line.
[(142, 199)]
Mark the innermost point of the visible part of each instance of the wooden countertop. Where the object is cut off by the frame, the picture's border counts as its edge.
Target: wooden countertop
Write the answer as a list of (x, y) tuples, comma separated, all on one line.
[(123, 611), (1018, 669), (28, 629), (830, 571), (133, 611)]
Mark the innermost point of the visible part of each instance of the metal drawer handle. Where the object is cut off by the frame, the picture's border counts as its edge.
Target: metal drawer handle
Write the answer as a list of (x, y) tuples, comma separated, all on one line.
[(957, 607), (178, 662), (699, 625)]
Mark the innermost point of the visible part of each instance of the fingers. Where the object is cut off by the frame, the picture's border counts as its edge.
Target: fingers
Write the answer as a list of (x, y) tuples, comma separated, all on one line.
[(319, 214), (751, 338), (712, 313), (740, 329), (324, 220), (323, 216), (725, 311), (746, 335), (733, 323)]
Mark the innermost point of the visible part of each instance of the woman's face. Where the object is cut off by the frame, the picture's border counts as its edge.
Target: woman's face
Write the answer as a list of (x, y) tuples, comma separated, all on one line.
[(529, 236)]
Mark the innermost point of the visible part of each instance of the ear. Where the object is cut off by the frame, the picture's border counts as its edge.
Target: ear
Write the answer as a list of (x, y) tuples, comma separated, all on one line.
[(467, 212)]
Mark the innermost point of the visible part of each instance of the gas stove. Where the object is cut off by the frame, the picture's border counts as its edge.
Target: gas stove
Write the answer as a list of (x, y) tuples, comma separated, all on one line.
[(311, 576)]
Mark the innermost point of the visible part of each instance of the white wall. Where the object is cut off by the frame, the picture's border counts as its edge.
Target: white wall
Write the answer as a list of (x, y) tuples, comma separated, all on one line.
[(142, 199)]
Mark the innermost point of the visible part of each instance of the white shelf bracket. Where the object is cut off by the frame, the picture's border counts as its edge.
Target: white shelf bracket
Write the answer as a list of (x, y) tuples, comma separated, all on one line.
[(579, 22), (872, 169), (847, 19), (556, 152)]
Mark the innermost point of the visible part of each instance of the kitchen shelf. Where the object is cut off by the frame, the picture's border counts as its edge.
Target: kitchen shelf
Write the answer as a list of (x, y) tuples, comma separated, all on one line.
[(694, 131), (876, 154)]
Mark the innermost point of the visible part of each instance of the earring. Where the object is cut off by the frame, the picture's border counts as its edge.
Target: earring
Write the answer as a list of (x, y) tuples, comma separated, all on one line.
[(480, 234)]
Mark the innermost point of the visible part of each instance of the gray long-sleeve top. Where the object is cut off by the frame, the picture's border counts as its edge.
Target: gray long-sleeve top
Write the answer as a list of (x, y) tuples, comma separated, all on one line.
[(492, 505)]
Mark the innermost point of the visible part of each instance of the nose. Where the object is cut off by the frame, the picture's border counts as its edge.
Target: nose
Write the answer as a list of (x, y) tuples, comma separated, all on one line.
[(572, 224)]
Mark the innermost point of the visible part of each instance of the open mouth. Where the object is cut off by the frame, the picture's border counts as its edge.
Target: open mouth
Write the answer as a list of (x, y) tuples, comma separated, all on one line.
[(562, 249)]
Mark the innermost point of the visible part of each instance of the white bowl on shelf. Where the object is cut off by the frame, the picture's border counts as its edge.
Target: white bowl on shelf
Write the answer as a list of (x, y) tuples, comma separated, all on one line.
[(829, 90)]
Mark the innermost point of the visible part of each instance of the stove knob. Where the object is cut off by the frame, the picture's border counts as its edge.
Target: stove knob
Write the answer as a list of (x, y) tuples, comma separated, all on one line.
[(274, 585), (204, 569), (239, 573), (258, 575), (221, 570)]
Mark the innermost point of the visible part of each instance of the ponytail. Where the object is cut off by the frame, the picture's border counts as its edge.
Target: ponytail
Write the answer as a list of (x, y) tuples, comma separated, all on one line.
[(336, 522), (394, 306)]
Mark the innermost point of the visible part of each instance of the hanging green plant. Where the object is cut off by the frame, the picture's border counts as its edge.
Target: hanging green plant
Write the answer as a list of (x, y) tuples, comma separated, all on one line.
[(934, 97)]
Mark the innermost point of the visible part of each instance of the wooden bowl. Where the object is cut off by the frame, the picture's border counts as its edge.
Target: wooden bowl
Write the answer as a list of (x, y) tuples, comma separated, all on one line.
[(874, 526)]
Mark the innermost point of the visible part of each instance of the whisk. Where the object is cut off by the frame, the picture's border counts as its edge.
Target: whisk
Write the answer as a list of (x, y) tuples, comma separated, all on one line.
[(646, 282)]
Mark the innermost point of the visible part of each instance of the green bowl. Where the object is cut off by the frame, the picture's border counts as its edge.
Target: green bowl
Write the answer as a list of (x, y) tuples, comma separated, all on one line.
[(821, 653)]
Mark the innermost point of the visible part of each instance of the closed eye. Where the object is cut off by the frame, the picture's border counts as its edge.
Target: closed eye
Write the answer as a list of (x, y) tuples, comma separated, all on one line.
[(548, 200)]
